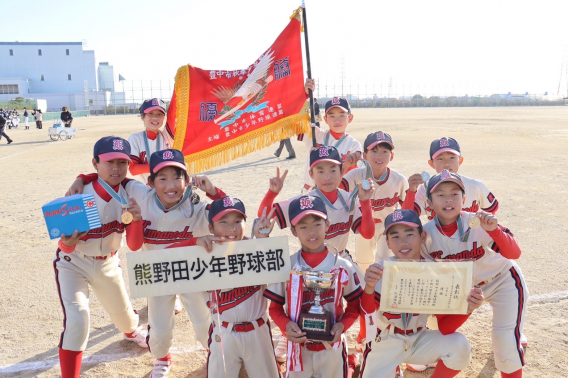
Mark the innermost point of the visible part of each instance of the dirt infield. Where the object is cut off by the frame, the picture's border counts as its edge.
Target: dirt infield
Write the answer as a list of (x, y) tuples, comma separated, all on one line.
[(519, 153)]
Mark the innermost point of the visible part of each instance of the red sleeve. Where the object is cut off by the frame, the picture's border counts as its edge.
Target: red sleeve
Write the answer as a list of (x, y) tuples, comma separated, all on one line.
[(65, 248), (408, 203), (505, 243), (220, 194), (370, 302), (367, 228), (450, 323), (135, 235), (276, 312), (351, 314), (267, 202), (185, 243), (137, 168), (89, 177)]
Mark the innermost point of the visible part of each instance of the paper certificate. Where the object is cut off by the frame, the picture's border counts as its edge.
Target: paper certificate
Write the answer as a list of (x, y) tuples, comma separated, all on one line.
[(437, 287), (192, 269)]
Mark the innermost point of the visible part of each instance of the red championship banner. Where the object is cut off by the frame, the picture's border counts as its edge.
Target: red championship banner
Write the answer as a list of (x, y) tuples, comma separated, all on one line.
[(220, 115)]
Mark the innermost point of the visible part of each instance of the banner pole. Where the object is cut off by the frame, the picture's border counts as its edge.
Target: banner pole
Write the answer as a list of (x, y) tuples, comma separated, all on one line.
[(309, 72)]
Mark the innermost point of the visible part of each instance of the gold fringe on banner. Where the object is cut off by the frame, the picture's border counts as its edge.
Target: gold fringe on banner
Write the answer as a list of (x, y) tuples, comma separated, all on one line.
[(181, 87), (255, 140), (297, 16)]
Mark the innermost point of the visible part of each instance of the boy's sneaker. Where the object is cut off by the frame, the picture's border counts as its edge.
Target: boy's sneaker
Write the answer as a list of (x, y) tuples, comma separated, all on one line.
[(138, 337), (281, 349), (419, 368), (161, 368), (178, 307), (398, 373)]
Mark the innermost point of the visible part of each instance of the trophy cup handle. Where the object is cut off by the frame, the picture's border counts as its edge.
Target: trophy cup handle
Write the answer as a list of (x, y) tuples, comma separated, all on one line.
[(336, 252)]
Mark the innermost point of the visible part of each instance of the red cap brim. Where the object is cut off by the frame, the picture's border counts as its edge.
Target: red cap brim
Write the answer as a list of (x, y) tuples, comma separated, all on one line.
[(372, 145), (169, 164), (411, 224), (299, 217), (322, 160), (220, 214), (336, 106), (154, 108), (442, 150), (113, 156)]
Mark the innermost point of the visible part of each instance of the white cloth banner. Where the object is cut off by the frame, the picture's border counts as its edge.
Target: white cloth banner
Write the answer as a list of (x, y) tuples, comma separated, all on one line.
[(192, 269)]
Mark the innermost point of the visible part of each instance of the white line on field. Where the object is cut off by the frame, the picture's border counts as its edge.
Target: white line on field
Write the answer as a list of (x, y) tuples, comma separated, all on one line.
[(22, 152), (101, 358)]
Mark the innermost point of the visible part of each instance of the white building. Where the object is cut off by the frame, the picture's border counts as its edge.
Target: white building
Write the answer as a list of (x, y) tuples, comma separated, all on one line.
[(106, 77)]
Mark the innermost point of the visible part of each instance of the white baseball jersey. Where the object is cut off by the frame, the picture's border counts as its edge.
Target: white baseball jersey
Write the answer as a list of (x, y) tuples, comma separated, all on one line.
[(479, 247), (389, 194), (341, 220), (240, 304), (107, 238), (477, 197), (138, 151), (352, 290), (347, 146)]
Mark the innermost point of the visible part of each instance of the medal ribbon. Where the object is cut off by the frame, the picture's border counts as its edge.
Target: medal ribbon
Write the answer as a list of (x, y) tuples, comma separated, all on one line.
[(463, 235), (326, 140), (368, 175), (112, 193), (352, 198), (186, 195), (295, 289), (148, 152), (341, 280)]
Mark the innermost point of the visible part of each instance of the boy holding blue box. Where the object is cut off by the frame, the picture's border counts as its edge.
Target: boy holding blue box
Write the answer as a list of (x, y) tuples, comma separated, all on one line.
[(89, 259)]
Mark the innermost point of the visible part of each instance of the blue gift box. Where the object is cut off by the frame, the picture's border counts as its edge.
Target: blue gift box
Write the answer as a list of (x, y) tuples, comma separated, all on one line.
[(67, 214)]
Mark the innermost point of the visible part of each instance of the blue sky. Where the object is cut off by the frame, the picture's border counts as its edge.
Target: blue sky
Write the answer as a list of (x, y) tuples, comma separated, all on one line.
[(427, 47)]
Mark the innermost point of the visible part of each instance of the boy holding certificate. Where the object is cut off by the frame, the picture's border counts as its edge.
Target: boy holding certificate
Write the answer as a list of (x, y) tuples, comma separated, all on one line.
[(454, 234), (396, 338)]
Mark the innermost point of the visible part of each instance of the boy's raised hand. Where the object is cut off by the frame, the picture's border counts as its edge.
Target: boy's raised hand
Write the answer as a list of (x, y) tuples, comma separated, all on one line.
[(264, 222), (350, 161), (203, 183), (475, 299), (135, 210), (373, 275), (309, 84), (336, 331), (71, 240), (277, 183), (294, 333), (489, 221), (207, 241), (76, 187), (414, 182), (366, 194)]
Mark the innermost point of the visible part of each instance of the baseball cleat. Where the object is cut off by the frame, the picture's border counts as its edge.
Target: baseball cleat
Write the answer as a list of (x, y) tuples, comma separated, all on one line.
[(161, 369), (138, 337), (399, 373), (524, 341), (281, 349), (178, 307)]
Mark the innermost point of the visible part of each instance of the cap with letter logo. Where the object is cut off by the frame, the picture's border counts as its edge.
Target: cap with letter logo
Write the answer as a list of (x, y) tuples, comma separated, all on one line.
[(444, 144), (152, 104), (338, 102), (112, 147), (224, 205), (325, 153), (407, 217), (444, 176), (377, 138), (166, 158), (305, 205)]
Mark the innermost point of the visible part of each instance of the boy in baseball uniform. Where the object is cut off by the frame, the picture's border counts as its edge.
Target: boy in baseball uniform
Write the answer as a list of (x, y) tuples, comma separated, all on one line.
[(310, 358), (396, 338), (239, 333), (337, 116), (153, 138), (445, 153), (89, 260), (390, 191), (454, 234)]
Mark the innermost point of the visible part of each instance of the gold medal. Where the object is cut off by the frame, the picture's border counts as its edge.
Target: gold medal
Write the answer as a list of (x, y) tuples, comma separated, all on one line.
[(474, 222), (217, 338), (127, 217)]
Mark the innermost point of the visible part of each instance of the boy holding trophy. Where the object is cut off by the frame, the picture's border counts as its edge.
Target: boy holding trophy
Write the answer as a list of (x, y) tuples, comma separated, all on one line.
[(305, 307)]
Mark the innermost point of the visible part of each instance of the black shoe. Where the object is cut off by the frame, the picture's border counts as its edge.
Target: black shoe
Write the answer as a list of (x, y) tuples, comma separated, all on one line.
[(290, 157), (10, 141), (276, 155)]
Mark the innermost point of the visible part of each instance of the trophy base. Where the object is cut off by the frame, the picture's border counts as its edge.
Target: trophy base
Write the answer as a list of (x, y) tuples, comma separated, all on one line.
[(316, 326)]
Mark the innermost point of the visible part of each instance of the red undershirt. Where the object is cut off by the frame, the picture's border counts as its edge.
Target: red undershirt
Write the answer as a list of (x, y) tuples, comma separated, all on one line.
[(136, 168)]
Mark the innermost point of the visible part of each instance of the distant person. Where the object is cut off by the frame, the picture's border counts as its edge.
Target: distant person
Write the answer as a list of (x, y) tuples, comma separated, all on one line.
[(317, 115), (2, 126), (66, 117), (15, 119), (26, 119), (286, 142), (38, 118)]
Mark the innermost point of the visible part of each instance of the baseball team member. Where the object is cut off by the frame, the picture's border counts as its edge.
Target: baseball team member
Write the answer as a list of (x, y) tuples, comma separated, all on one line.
[(445, 153), (26, 119), (337, 116), (396, 338), (2, 128), (309, 223), (154, 138), (240, 330), (390, 191), (89, 260), (457, 235)]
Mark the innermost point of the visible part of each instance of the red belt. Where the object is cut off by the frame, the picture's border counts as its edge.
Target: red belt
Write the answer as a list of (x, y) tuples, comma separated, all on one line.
[(104, 257), (244, 326), (408, 332), (314, 346)]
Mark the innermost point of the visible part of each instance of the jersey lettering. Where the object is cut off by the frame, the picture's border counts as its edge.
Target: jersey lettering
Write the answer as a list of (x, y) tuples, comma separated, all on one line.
[(382, 203), (391, 316), (339, 228), (165, 237), (105, 230), (474, 254), (473, 209), (308, 296), (232, 298)]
